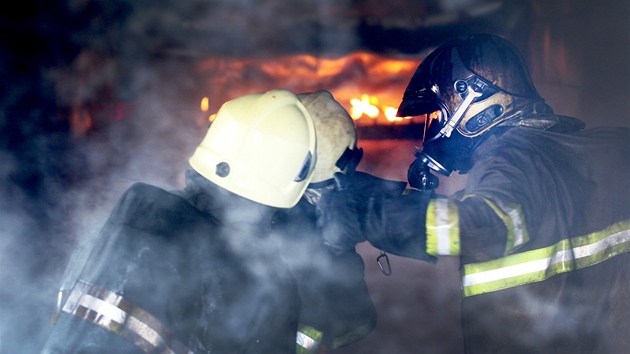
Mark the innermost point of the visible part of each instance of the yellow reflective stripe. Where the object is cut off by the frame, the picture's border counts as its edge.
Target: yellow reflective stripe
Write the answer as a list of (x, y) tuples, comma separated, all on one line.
[(514, 221), (352, 336), (114, 313), (538, 265), (308, 340), (442, 228)]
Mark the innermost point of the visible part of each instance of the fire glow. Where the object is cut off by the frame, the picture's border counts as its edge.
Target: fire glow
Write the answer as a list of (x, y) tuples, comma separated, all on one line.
[(369, 86)]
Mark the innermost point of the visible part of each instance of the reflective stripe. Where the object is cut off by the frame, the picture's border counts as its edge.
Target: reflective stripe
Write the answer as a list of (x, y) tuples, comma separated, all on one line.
[(442, 228), (514, 221), (114, 313), (308, 340), (353, 335), (538, 265)]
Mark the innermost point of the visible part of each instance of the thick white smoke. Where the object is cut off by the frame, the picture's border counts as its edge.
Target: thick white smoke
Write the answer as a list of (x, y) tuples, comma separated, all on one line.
[(57, 190)]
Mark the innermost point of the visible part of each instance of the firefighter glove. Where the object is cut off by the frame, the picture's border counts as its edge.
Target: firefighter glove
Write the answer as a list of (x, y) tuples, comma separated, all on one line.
[(397, 224), (392, 222), (340, 215)]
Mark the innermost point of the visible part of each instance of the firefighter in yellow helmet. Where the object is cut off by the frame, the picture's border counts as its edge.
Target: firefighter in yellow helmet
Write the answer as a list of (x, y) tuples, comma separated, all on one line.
[(542, 227), (196, 270)]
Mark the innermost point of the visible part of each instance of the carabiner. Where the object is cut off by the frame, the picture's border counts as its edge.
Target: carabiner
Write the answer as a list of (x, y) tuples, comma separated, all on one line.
[(387, 272)]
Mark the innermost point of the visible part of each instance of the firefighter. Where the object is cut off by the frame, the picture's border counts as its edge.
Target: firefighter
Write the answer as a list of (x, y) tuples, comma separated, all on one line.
[(336, 306), (542, 227), (196, 270)]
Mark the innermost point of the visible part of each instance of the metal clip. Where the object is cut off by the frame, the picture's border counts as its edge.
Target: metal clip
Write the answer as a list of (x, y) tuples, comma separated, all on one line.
[(61, 297), (387, 272)]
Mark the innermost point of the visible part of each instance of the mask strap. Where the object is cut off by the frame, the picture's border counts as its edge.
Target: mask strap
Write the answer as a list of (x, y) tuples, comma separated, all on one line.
[(472, 92), (350, 159)]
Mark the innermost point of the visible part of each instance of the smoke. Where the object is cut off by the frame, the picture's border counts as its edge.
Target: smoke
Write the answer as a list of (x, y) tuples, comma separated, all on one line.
[(105, 94), (59, 182)]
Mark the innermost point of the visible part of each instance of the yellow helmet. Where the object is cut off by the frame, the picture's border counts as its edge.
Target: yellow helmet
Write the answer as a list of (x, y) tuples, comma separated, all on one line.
[(260, 146), (336, 135)]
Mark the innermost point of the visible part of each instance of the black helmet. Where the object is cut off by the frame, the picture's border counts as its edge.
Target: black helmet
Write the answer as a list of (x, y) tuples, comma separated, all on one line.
[(466, 87)]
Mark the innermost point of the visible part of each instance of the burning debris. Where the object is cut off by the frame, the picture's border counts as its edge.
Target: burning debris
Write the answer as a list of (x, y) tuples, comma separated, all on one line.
[(369, 86)]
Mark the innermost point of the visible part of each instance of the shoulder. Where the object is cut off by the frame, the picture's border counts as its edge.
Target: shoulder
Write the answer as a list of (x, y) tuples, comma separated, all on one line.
[(155, 210)]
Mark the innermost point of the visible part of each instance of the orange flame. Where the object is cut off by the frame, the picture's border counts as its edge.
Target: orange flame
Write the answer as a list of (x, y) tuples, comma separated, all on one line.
[(390, 114), (367, 85), (205, 107), (364, 106), (205, 104)]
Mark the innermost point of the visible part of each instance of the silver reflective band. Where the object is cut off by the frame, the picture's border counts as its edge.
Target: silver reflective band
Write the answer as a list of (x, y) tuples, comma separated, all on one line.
[(307, 342), (561, 258), (114, 313), (513, 219), (443, 232), (442, 228), (517, 224), (538, 265)]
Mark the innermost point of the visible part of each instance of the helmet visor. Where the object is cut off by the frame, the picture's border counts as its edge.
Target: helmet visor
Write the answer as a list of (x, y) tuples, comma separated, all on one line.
[(433, 124), (431, 112)]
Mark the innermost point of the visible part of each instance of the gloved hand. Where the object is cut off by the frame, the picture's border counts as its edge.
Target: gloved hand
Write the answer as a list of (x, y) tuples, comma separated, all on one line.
[(389, 221), (397, 225), (340, 214)]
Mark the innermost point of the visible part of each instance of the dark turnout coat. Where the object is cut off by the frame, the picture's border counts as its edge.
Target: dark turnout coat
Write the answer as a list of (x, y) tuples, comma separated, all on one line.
[(164, 275), (543, 231), (163, 278)]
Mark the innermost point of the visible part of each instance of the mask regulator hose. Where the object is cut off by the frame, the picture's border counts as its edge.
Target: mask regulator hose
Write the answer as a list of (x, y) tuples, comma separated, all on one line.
[(419, 175)]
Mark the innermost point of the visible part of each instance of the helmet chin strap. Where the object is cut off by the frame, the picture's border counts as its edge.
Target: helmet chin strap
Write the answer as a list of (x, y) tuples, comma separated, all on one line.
[(472, 92)]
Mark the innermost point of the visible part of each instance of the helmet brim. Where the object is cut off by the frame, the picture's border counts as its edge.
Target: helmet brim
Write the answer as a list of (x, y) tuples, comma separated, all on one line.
[(418, 107)]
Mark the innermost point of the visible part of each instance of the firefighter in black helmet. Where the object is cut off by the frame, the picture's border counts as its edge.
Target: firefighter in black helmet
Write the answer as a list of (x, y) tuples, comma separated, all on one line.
[(542, 227)]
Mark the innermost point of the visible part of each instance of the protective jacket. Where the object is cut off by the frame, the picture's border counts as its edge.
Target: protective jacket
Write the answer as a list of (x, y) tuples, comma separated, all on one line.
[(543, 231), (162, 277)]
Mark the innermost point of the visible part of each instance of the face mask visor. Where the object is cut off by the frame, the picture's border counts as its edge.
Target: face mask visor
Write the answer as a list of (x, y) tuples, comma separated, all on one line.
[(429, 110)]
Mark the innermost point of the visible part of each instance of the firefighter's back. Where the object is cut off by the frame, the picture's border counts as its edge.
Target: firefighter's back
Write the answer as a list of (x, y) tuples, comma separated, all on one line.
[(161, 276)]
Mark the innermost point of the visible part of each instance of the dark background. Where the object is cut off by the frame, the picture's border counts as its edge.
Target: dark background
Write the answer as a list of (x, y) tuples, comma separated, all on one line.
[(132, 66)]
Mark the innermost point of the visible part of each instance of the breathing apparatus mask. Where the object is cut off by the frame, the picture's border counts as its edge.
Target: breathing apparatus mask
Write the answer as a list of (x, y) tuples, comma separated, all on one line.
[(464, 89)]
